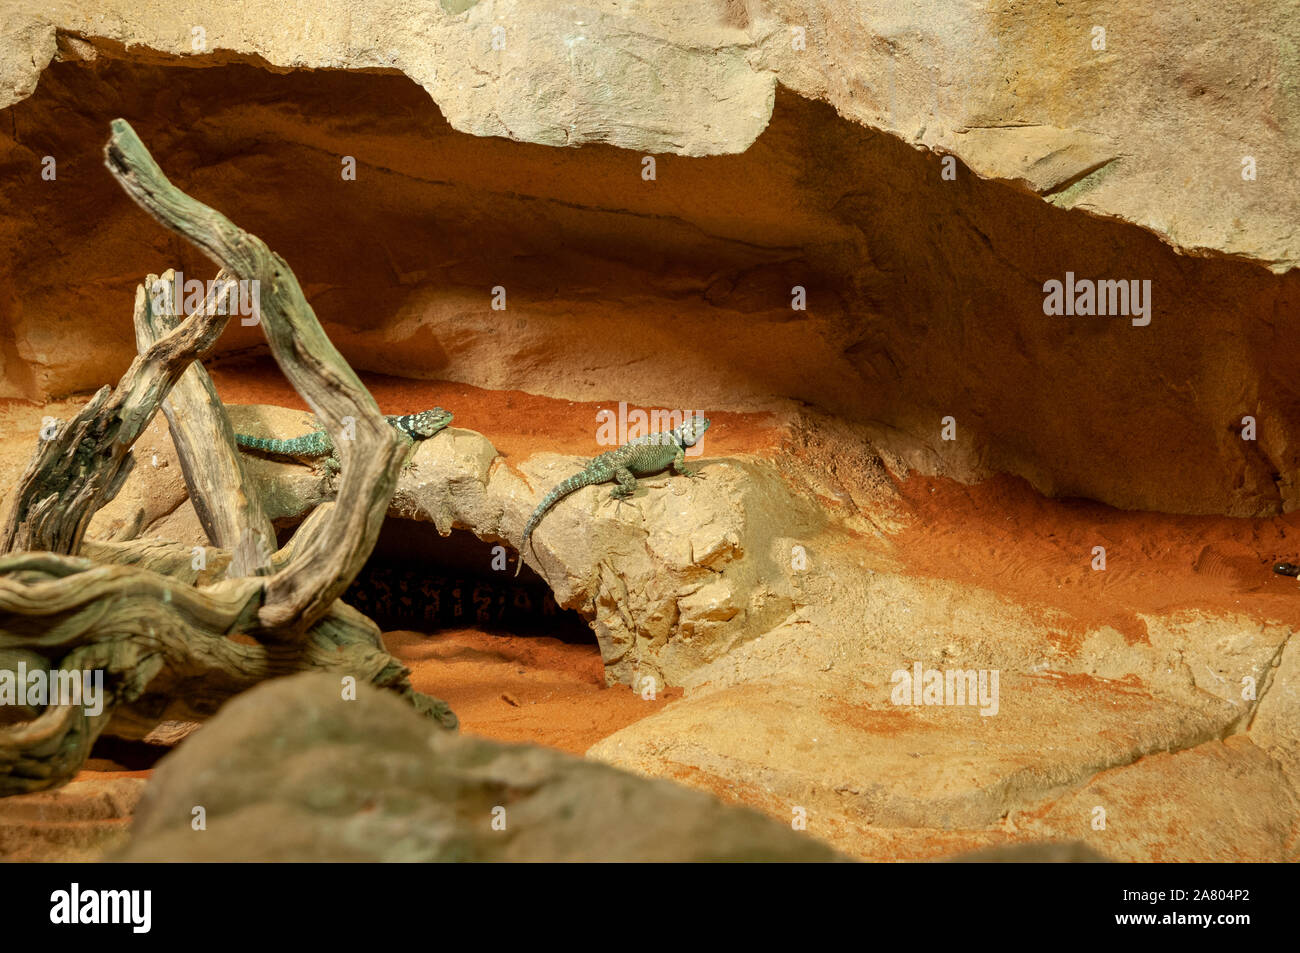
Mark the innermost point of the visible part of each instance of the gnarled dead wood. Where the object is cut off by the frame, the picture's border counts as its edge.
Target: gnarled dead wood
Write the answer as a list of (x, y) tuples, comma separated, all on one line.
[(165, 652), (229, 510), (156, 625), (83, 465), (303, 591)]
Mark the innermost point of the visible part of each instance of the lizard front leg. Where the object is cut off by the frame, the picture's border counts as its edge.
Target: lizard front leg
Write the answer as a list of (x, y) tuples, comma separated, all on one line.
[(331, 464), (409, 460), (679, 465), (626, 487)]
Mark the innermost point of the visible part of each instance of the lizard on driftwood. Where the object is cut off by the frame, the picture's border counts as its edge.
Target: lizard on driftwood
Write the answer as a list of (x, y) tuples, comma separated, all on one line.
[(419, 426), (641, 456)]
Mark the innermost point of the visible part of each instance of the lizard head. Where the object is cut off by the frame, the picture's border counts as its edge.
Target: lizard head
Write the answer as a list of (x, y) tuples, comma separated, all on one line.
[(691, 430), (428, 422)]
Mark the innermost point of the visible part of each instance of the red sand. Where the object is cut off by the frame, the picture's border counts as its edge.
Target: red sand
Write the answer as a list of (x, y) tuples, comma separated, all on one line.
[(518, 424), (1003, 536), (522, 688), (509, 688)]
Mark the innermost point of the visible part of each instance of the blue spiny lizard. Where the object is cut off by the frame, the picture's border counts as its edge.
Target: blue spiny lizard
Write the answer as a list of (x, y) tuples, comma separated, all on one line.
[(641, 456), (419, 426)]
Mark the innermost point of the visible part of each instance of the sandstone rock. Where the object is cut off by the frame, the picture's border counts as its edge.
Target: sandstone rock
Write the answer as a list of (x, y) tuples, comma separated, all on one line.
[(1221, 801), (171, 733), (27, 44), (925, 295), (793, 709), (700, 79), (289, 491), (1276, 723), (687, 571), (881, 781), (670, 580), (803, 717), (154, 501), (78, 822), (290, 772), (822, 745)]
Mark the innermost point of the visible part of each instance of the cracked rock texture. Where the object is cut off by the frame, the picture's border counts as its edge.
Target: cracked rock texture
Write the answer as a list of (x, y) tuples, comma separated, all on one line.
[(1135, 113), (1156, 735), (289, 771)]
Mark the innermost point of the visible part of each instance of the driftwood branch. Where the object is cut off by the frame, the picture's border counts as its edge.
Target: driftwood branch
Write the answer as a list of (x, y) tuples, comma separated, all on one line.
[(321, 571), (82, 466), (228, 507), (155, 622), (165, 653)]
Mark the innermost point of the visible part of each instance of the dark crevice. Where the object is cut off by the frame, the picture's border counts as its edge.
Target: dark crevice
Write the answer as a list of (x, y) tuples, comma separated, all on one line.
[(419, 580), (123, 754)]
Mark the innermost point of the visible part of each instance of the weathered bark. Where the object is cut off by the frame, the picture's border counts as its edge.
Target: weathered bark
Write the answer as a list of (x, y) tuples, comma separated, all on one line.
[(230, 513), (165, 652), (83, 465), (303, 591), (158, 624)]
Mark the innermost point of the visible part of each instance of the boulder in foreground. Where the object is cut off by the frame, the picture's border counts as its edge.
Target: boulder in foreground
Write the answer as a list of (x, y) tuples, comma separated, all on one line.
[(291, 772)]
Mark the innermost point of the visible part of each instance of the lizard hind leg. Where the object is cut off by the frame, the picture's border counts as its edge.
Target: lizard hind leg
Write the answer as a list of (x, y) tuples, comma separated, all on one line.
[(623, 492), (626, 484)]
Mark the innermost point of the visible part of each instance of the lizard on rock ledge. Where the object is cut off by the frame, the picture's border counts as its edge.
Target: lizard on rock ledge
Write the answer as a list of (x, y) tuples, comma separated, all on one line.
[(642, 456), (419, 426)]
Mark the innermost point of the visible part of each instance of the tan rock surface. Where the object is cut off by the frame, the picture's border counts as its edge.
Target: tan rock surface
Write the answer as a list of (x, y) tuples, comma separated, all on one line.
[(671, 580), (925, 295), (1220, 801), (1031, 94), (803, 718), (1145, 715), (78, 822), (1164, 691)]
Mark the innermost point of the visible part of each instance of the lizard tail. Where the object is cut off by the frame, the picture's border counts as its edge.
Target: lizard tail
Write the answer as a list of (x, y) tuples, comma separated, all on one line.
[(572, 484), (312, 444), (264, 444)]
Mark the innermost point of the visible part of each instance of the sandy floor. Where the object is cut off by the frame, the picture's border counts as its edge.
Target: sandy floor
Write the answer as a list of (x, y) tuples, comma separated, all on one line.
[(510, 688), (522, 688), (1002, 536)]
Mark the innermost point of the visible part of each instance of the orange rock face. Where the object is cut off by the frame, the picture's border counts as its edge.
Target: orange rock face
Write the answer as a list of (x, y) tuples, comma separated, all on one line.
[(924, 295)]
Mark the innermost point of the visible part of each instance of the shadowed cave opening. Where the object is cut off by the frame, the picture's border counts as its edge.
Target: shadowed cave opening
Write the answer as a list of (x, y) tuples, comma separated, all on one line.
[(924, 294), (419, 580)]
